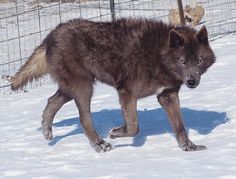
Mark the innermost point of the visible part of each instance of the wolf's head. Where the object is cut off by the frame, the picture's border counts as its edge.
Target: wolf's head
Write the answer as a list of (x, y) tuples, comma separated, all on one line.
[(190, 54)]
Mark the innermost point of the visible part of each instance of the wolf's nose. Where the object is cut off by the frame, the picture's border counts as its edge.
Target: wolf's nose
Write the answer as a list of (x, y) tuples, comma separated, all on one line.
[(191, 82)]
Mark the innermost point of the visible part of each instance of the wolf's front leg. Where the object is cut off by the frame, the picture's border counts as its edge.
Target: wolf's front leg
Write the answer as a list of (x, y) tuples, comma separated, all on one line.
[(169, 100), (129, 112)]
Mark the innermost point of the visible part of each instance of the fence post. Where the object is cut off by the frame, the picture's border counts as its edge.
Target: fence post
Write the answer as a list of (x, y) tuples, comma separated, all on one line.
[(18, 30), (112, 8), (39, 18), (181, 12)]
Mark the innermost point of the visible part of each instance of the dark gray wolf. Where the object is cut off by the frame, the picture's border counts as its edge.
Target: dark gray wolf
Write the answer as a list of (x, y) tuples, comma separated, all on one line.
[(138, 57)]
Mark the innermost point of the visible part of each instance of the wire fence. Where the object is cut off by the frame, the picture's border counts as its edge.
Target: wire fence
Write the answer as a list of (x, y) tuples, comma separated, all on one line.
[(24, 24)]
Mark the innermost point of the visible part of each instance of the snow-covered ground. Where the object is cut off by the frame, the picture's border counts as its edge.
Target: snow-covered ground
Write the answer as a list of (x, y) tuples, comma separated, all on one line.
[(210, 117)]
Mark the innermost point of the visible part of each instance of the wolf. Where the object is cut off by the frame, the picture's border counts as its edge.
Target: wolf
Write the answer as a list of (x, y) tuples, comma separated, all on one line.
[(138, 57)]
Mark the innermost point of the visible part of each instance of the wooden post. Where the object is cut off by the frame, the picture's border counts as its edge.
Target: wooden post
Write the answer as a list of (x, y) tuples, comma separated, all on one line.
[(181, 12)]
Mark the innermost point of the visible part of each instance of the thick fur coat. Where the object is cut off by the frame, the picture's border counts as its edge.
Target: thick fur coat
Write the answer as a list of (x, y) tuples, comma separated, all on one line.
[(138, 57)]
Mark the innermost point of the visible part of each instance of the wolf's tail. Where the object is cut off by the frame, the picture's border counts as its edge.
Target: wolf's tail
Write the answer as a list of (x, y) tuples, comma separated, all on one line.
[(35, 67)]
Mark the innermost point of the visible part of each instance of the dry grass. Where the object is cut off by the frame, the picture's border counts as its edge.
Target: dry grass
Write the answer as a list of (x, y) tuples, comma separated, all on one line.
[(4, 1)]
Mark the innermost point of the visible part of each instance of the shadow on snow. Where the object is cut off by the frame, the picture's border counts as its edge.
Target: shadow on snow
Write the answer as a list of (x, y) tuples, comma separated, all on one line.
[(151, 122)]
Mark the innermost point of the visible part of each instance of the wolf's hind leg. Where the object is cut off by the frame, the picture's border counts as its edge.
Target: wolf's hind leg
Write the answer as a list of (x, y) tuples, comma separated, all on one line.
[(170, 102), (129, 112), (82, 96), (55, 102)]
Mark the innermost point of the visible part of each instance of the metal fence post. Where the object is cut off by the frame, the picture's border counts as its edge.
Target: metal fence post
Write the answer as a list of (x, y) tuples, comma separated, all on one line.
[(39, 21), (18, 31), (112, 8)]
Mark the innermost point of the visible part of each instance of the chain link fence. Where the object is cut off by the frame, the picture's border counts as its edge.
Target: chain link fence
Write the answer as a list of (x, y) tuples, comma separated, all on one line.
[(24, 24)]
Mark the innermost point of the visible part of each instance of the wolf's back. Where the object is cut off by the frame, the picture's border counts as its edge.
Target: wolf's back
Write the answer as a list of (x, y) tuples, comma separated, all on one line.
[(35, 67)]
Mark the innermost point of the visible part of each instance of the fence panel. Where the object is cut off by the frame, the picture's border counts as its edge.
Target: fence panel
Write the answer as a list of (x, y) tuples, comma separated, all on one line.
[(24, 24)]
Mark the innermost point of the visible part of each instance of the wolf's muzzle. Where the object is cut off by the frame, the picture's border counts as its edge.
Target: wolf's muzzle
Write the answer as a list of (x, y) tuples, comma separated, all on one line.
[(191, 82)]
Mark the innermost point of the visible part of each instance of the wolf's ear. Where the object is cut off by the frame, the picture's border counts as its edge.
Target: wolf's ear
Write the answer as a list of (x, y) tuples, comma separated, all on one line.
[(202, 36), (175, 39)]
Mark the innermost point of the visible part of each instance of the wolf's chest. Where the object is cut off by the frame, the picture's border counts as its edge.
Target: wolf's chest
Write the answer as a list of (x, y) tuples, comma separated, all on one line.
[(161, 89)]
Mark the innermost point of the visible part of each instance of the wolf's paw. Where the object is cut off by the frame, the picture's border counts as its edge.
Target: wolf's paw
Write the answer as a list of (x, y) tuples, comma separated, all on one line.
[(116, 132), (122, 132), (101, 146), (47, 133), (190, 146)]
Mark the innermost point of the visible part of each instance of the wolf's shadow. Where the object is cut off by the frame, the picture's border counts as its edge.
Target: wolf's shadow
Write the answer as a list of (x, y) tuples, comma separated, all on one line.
[(151, 122)]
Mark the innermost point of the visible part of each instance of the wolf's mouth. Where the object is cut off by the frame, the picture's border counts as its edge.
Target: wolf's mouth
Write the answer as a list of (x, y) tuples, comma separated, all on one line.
[(191, 86)]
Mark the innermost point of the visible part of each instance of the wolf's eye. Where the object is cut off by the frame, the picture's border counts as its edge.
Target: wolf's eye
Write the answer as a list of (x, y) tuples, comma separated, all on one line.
[(182, 61)]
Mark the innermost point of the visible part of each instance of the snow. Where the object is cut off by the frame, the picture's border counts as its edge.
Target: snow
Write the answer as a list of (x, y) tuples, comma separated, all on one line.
[(210, 118)]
